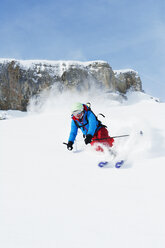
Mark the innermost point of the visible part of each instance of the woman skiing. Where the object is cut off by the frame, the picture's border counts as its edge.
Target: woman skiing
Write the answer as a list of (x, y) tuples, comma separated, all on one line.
[(93, 130)]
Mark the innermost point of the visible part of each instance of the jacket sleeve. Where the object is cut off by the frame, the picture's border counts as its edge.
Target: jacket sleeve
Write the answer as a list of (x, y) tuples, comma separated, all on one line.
[(73, 132), (92, 123)]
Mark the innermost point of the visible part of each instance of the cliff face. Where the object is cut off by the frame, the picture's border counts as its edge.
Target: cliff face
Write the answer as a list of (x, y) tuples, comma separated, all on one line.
[(127, 79), (20, 80)]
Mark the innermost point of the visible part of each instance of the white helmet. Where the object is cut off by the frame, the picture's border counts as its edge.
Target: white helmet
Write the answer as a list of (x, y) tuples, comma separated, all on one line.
[(77, 110), (77, 107)]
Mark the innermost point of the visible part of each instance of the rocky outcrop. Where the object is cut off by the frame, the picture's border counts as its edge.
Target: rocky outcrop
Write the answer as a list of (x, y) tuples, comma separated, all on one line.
[(20, 80), (127, 79)]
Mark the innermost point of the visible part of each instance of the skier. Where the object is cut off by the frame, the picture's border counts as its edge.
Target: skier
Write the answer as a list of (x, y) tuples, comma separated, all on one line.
[(93, 130)]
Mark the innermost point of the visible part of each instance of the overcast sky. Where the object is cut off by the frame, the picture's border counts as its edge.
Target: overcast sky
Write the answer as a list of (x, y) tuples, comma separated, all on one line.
[(125, 33)]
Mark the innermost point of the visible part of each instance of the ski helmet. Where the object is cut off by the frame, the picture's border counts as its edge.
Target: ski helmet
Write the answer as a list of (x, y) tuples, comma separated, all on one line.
[(77, 107)]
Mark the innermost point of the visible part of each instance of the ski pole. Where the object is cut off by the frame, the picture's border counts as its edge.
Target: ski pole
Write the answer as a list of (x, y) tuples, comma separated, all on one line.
[(114, 137), (120, 136)]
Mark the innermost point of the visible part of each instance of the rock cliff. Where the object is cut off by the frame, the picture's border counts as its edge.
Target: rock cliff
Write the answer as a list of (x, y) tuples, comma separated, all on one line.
[(20, 80)]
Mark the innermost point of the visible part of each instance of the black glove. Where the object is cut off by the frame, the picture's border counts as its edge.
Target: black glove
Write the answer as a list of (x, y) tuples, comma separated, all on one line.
[(70, 145), (88, 139)]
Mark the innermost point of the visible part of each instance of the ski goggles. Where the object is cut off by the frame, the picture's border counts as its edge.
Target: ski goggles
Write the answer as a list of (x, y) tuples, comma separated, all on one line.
[(78, 113)]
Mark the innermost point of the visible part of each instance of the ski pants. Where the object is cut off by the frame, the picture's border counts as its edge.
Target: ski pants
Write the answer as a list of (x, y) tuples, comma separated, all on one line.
[(102, 137)]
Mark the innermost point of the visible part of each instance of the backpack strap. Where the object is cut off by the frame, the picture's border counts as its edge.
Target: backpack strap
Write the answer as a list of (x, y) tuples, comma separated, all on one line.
[(76, 121), (86, 108), (99, 122)]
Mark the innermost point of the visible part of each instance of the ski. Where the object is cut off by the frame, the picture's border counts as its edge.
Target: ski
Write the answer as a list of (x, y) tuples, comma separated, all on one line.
[(107, 164), (119, 164)]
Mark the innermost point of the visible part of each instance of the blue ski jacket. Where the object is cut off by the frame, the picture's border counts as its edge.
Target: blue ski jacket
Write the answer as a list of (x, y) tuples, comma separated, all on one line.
[(88, 125)]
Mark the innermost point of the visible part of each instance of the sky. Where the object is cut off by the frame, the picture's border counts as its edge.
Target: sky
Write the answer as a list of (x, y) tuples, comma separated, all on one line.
[(125, 33)]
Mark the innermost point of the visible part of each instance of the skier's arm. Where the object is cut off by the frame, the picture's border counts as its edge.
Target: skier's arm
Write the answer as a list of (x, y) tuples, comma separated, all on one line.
[(73, 132)]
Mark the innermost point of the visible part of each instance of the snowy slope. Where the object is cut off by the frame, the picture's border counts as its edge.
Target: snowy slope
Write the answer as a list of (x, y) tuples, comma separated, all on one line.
[(51, 197)]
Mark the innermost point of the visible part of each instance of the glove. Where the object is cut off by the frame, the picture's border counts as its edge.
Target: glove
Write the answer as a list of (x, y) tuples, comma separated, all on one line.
[(70, 145), (88, 139)]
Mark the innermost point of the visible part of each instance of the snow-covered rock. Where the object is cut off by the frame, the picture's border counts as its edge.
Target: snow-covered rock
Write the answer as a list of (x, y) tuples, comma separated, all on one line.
[(127, 79), (22, 79)]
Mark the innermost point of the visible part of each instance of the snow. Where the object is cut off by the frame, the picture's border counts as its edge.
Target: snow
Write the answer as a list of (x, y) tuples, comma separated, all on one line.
[(52, 197), (117, 72), (56, 66)]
